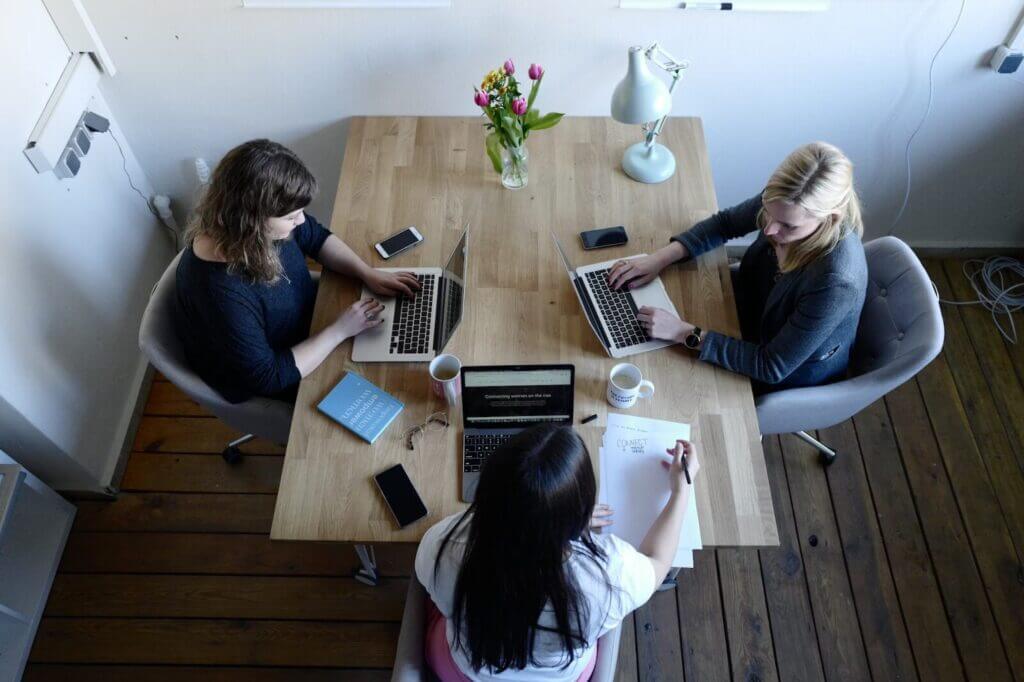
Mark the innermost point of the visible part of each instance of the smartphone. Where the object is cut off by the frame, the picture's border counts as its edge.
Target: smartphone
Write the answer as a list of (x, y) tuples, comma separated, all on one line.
[(401, 496), (599, 239), (399, 242)]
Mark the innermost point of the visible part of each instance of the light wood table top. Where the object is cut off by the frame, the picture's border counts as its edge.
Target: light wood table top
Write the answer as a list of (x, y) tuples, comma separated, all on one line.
[(520, 309)]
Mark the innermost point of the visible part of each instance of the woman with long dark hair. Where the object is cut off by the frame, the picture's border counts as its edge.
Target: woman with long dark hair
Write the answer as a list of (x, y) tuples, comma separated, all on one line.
[(244, 294), (521, 590)]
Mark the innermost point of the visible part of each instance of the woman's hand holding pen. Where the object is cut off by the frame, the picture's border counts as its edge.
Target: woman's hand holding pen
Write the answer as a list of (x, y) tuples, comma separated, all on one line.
[(684, 465)]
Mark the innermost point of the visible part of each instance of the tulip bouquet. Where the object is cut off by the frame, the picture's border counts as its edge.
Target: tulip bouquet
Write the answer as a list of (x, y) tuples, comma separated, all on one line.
[(510, 118)]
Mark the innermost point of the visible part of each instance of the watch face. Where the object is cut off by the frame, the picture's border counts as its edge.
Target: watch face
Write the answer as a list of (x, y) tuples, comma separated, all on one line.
[(691, 341)]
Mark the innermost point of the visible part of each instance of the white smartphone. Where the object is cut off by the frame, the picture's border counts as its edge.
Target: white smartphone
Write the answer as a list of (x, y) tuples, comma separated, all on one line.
[(399, 242)]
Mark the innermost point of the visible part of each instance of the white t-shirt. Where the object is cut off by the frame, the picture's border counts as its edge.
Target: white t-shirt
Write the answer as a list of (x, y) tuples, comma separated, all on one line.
[(630, 573)]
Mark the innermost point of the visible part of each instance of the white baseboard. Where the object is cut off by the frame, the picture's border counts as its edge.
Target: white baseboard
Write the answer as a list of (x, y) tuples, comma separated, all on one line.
[(129, 424)]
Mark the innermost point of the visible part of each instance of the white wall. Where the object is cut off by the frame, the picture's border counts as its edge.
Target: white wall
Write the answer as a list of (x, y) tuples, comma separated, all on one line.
[(198, 76), (78, 259)]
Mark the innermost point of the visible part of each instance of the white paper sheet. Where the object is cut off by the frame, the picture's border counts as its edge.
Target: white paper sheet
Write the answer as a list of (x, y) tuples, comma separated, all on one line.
[(635, 484)]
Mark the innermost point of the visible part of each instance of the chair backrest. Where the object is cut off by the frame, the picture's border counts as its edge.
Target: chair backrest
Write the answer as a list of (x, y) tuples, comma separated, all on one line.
[(901, 313), (158, 339)]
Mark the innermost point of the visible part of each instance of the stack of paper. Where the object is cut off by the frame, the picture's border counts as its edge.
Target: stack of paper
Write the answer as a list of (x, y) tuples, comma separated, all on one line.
[(636, 485)]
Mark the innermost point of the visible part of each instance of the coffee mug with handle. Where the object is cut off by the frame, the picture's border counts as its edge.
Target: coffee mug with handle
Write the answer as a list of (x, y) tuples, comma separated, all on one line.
[(626, 384), (444, 378)]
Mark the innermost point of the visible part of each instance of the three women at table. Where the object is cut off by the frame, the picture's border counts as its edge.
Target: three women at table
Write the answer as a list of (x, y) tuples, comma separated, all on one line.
[(520, 589), (245, 295), (800, 286)]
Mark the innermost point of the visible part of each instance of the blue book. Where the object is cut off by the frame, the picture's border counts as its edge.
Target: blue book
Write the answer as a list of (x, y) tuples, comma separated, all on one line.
[(360, 407)]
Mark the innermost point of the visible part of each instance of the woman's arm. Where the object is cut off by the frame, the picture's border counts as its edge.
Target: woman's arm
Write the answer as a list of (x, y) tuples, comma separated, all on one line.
[(704, 236), (359, 316), (662, 540), (336, 255)]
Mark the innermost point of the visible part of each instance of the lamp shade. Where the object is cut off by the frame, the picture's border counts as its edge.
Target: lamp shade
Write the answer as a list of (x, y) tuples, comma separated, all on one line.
[(640, 97)]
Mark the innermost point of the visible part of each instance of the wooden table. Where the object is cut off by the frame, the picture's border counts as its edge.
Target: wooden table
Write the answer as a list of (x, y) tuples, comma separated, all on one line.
[(520, 308)]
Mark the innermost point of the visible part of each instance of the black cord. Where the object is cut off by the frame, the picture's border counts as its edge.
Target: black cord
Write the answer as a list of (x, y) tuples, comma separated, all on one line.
[(124, 167)]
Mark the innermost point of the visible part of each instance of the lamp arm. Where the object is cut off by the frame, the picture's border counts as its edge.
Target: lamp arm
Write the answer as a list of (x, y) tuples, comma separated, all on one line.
[(652, 134)]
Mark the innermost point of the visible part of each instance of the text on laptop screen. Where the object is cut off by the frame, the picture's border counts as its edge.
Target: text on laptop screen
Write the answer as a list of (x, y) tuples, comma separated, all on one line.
[(507, 396)]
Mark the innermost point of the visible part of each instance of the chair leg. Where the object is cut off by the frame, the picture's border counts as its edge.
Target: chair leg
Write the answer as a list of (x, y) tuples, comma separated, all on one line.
[(231, 454), (827, 454)]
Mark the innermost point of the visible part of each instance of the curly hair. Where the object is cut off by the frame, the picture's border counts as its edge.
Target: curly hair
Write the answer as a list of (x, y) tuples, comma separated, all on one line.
[(255, 181)]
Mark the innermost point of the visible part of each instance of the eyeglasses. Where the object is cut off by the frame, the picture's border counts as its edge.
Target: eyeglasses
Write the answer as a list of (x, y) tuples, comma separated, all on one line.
[(434, 423)]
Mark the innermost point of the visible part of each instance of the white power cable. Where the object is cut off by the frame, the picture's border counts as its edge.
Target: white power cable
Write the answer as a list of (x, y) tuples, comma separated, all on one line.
[(992, 281), (927, 111)]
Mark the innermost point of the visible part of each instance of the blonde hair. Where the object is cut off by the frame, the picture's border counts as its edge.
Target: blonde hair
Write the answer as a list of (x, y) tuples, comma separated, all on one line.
[(818, 177)]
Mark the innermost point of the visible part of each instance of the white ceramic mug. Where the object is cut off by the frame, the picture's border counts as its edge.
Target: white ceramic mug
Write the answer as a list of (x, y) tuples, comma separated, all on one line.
[(626, 384), (444, 378)]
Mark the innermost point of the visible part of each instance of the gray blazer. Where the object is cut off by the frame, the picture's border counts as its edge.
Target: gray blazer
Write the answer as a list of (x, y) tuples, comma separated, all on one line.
[(798, 327)]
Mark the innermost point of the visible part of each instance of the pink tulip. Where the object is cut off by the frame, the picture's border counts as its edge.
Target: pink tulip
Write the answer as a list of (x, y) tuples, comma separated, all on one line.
[(519, 106), (481, 98), (536, 71), (510, 68)]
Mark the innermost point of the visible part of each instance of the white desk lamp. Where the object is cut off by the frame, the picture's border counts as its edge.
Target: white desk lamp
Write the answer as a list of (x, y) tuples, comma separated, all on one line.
[(642, 98)]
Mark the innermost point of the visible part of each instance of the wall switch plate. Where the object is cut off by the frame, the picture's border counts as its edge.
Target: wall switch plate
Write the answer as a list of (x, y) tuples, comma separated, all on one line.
[(62, 112), (1006, 60)]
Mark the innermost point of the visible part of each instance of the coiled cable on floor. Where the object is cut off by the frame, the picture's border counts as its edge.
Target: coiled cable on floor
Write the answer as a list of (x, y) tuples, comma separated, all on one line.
[(998, 282)]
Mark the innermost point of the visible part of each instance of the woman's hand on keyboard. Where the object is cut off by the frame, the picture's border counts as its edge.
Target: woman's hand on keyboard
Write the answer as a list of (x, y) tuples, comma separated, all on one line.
[(392, 283), (359, 317), (637, 272), (661, 324)]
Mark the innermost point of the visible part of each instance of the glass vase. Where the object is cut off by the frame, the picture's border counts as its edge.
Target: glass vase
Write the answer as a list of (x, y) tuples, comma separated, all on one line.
[(514, 167)]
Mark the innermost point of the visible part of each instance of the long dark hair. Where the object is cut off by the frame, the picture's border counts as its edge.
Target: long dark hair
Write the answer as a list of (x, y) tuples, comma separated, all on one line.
[(535, 497), (256, 180)]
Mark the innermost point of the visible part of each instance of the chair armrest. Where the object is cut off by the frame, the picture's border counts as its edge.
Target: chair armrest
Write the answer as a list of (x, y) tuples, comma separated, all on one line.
[(409, 663), (819, 407)]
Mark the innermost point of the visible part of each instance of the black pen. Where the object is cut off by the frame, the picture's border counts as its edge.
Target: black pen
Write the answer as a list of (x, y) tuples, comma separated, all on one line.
[(686, 469), (587, 420)]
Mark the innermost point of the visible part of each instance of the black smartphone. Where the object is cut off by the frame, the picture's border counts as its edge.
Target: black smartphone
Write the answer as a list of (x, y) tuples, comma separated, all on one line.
[(401, 496), (599, 239), (398, 242)]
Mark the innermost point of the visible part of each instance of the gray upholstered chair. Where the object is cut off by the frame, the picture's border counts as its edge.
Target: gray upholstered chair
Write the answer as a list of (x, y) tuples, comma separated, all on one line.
[(900, 332), (410, 665), (263, 417)]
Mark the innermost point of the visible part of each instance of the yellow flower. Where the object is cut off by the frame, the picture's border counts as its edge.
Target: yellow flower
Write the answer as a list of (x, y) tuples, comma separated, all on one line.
[(490, 79)]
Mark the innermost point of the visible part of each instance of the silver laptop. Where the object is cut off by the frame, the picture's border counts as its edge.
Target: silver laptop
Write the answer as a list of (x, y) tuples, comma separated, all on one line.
[(418, 329), (500, 401), (611, 313)]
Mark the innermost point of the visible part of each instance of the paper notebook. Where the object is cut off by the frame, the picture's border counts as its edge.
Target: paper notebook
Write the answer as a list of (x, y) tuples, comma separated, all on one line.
[(360, 407), (635, 484)]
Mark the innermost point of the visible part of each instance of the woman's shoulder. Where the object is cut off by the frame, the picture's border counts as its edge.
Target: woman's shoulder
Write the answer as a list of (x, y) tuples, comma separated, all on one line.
[(843, 264)]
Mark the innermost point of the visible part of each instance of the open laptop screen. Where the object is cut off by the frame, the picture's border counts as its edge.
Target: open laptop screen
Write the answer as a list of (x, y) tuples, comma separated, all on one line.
[(450, 295), (506, 396)]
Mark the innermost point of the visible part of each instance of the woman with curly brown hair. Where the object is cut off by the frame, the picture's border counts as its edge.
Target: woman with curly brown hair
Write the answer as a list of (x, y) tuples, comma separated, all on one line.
[(244, 294)]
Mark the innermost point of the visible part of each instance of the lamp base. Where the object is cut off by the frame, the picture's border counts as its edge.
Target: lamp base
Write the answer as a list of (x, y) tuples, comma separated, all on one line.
[(649, 164)]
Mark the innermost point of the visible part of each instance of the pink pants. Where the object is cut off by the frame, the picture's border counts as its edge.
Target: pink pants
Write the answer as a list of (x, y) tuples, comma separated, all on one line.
[(439, 656)]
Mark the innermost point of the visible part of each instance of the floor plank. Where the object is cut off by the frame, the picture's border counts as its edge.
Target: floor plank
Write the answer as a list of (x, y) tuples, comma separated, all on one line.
[(194, 434), (178, 512), (215, 642), (967, 605), (222, 554), (214, 596), (747, 625), (993, 358), (57, 672), (657, 638), (158, 472), (626, 669), (167, 400), (785, 583), (874, 593), (986, 425), (924, 613), (702, 622), (835, 616)]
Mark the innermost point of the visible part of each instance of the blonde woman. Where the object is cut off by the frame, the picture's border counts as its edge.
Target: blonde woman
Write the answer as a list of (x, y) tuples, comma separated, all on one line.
[(800, 286)]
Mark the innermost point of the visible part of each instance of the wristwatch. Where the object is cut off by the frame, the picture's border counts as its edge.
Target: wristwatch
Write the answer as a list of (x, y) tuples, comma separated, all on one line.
[(692, 340)]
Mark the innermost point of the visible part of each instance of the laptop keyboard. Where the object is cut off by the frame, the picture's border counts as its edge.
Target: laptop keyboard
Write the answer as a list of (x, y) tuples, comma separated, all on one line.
[(618, 310), (410, 333), (476, 448)]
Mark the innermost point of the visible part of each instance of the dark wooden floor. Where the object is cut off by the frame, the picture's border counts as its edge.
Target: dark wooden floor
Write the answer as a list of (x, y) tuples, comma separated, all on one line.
[(901, 561)]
